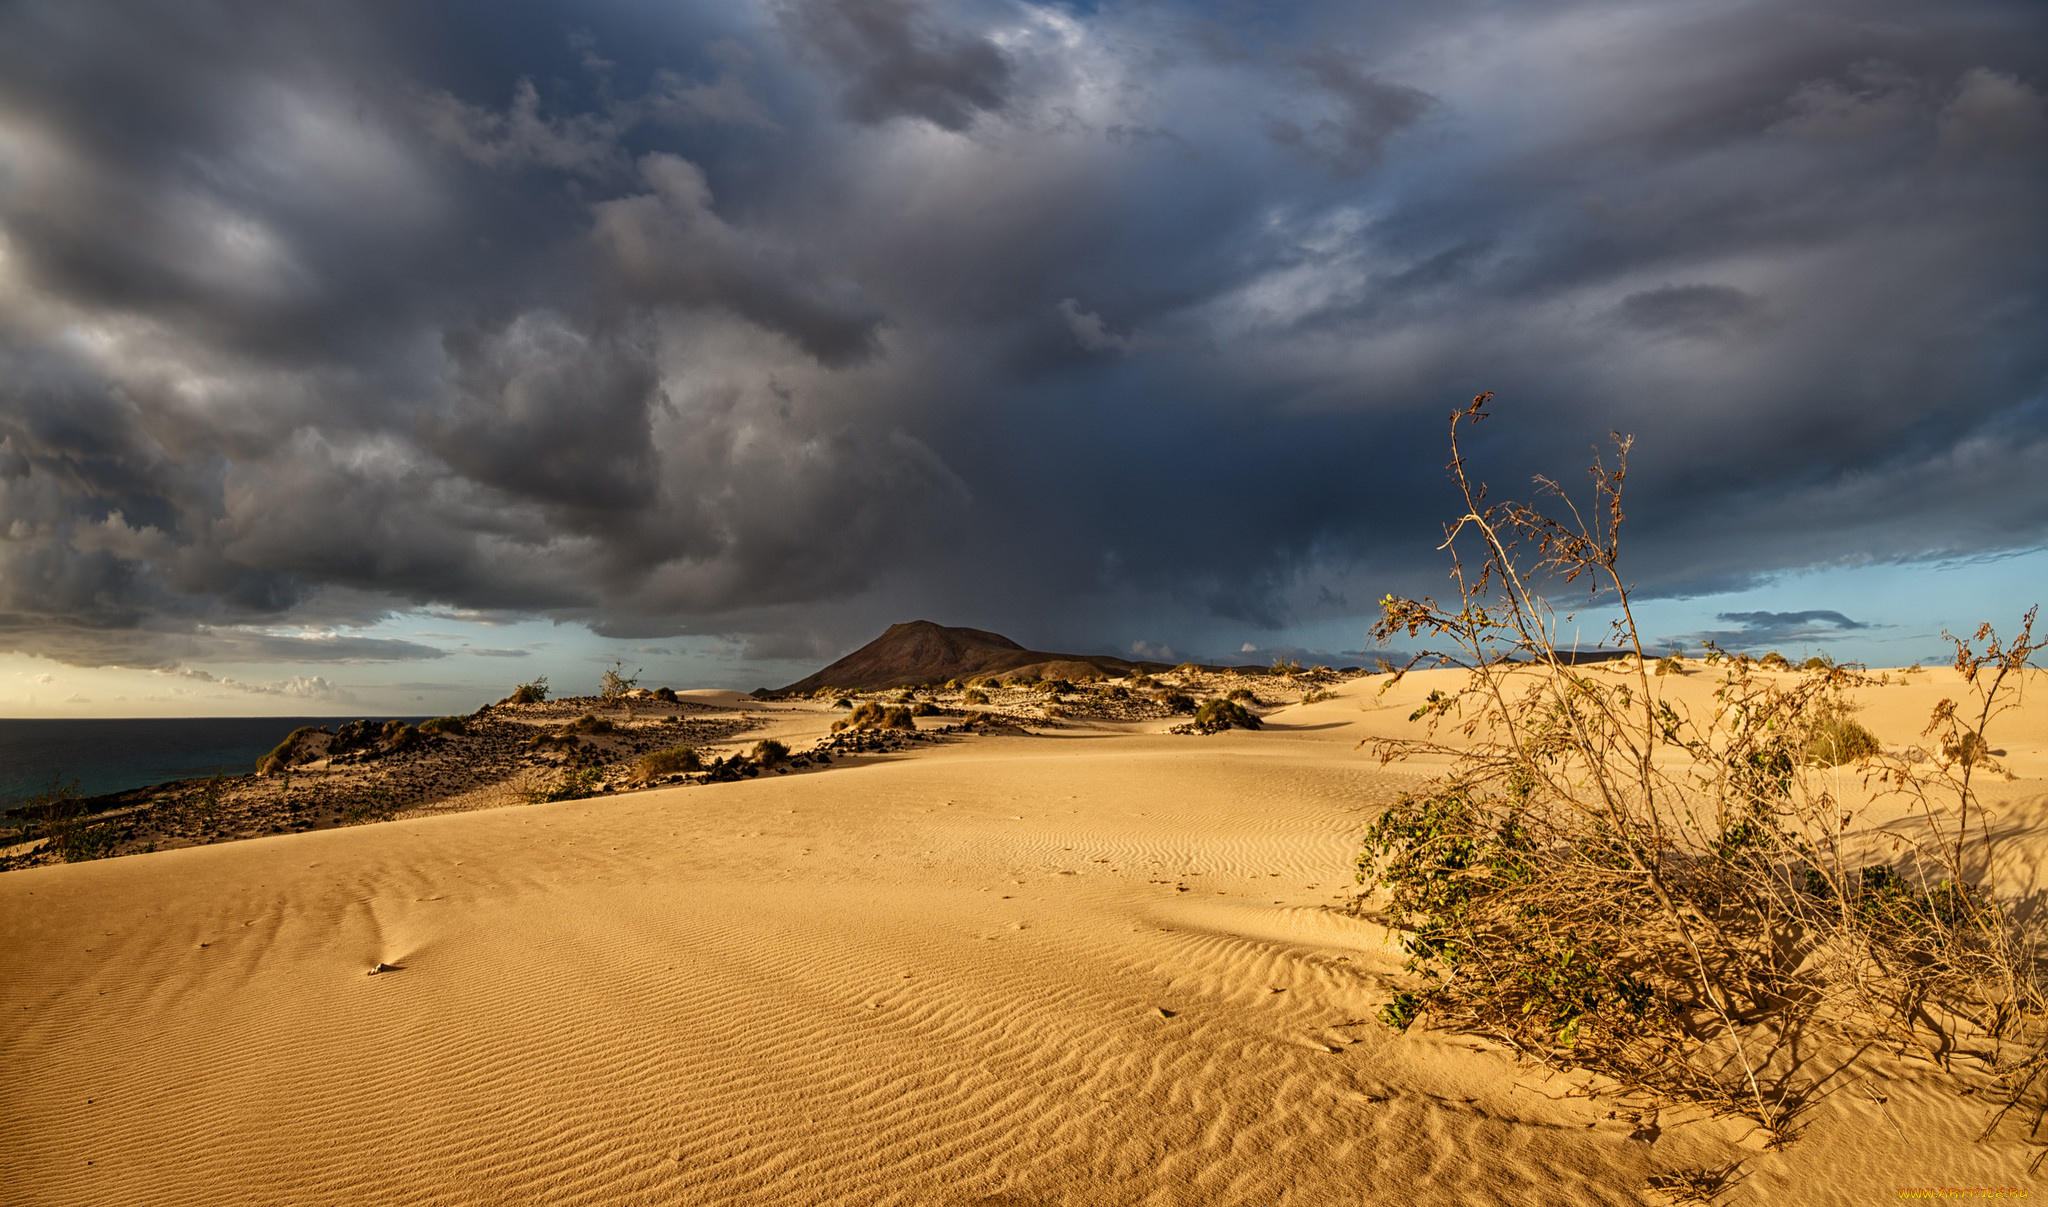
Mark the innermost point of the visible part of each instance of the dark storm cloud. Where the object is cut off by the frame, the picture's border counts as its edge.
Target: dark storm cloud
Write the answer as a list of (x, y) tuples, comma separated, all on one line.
[(1138, 323), (895, 65), (1757, 630)]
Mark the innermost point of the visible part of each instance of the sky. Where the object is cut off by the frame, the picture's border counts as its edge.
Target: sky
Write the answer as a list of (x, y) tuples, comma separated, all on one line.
[(377, 357)]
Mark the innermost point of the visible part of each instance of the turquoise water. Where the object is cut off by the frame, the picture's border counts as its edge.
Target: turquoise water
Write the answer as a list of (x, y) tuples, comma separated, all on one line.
[(115, 755)]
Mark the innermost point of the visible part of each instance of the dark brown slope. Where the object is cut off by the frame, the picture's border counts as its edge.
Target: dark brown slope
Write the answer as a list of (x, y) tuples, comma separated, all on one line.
[(920, 652)]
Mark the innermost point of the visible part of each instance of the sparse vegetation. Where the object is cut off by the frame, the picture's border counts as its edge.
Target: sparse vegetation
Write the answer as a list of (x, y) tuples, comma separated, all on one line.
[(1671, 664), (667, 695), (1603, 880), (768, 753), (1176, 702), (613, 685), (435, 726), (535, 692), (378, 804), (1284, 668), (870, 715), (676, 760), (1243, 693), (1774, 661), (1215, 716), (974, 695), (575, 784)]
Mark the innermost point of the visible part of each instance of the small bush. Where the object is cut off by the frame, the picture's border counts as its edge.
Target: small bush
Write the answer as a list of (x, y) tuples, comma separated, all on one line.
[(1671, 665), (674, 761), (1816, 663), (575, 784), (587, 723), (870, 715), (440, 725), (952, 685), (974, 696), (1774, 661), (924, 708), (1317, 696), (1966, 748), (1284, 668), (666, 695), (1176, 702), (1141, 682), (1215, 716), (1837, 740), (614, 684), (1382, 666), (769, 753), (842, 702), (1054, 687), (535, 692), (1243, 693)]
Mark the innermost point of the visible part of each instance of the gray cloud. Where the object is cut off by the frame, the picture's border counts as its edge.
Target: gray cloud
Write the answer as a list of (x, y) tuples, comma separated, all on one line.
[(318, 313), (894, 65), (1759, 630)]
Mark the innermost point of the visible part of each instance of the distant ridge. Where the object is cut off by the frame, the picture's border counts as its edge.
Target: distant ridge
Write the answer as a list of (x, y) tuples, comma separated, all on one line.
[(920, 651)]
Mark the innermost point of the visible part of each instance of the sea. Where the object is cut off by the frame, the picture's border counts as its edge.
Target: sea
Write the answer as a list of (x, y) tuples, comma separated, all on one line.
[(115, 755)]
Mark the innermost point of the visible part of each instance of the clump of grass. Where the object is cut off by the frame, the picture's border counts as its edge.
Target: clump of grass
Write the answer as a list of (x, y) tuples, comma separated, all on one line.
[(574, 784), (1284, 668), (1317, 696), (1176, 702), (1243, 693), (433, 726), (673, 761), (1604, 881), (666, 695), (974, 695), (1815, 663), (870, 715), (587, 723), (535, 692), (1671, 664), (1838, 739), (1775, 661), (768, 753), (1054, 687), (1382, 665), (924, 708), (1215, 716)]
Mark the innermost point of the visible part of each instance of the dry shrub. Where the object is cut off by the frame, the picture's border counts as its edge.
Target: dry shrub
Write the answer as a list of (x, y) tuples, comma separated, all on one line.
[(1215, 716), (535, 692), (674, 761), (974, 695), (768, 753), (1838, 739), (1678, 923), (870, 715)]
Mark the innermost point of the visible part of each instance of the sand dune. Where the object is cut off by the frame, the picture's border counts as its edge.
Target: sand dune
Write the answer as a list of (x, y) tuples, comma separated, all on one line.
[(1092, 967)]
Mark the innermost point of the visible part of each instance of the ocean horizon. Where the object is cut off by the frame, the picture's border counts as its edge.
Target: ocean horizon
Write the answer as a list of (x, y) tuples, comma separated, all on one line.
[(114, 755)]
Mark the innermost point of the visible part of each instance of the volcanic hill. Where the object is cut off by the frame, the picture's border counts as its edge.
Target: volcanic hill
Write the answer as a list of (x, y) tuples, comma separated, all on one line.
[(919, 652)]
